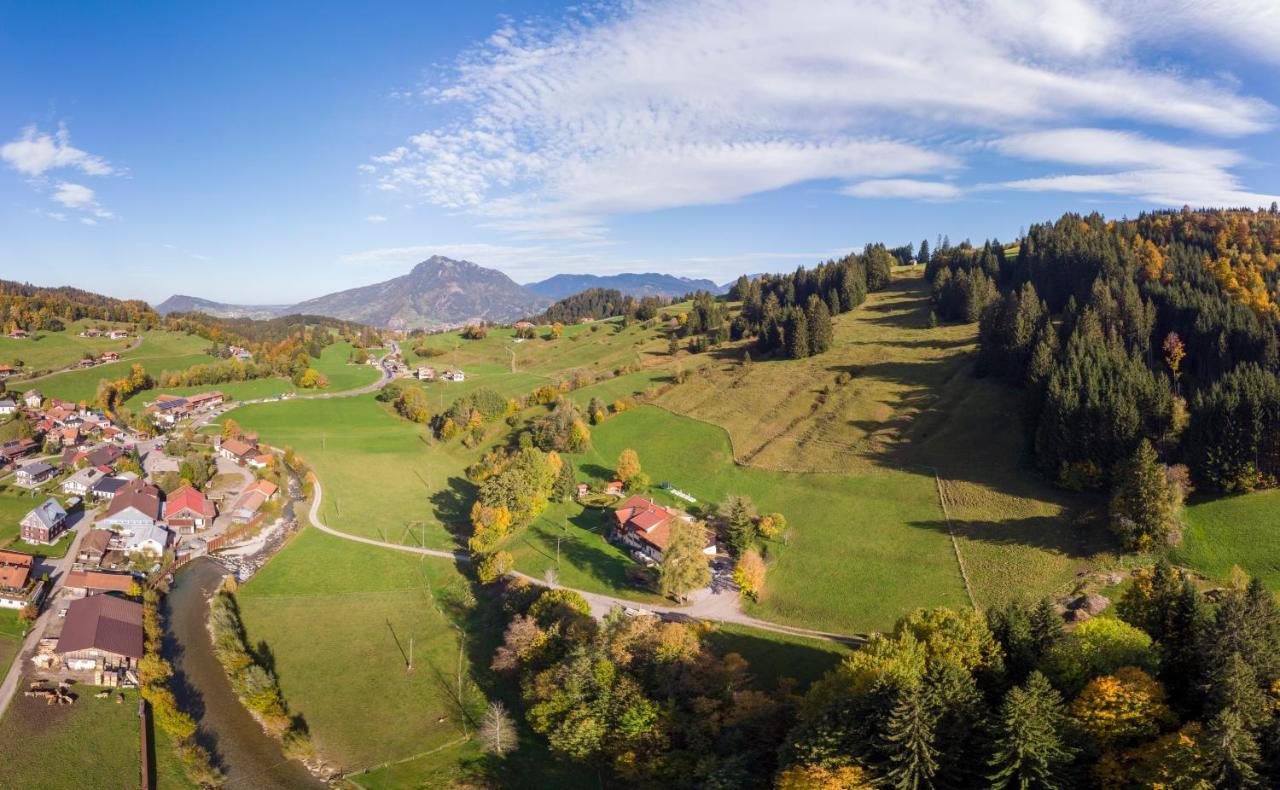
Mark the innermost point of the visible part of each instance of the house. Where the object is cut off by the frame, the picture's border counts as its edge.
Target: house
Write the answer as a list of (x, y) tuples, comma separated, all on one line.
[(110, 356), (237, 450), (240, 353), (453, 375), (260, 461), (33, 399), (118, 334), (45, 523), (84, 583), (187, 510), (8, 406), (204, 401), (17, 588), (583, 489), (83, 481), (523, 325), (168, 409), (19, 334), (252, 499), (18, 448), (135, 506), (150, 539), (645, 526), (86, 363), (614, 488), (109, 486), (425, 373), (6, 371), (33, 474), (101, 632), (94, 546)]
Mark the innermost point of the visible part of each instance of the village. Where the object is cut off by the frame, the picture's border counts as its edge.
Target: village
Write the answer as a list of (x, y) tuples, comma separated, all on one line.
[(109, 509)]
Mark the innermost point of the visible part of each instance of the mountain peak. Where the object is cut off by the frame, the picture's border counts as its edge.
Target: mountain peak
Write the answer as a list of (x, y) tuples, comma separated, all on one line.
[(439, 262)]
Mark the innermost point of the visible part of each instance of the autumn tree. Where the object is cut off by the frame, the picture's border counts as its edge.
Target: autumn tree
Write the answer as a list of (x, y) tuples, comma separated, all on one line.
[(628, 465), (749, 573), (497, 730), (684, 567), (1122, 708)]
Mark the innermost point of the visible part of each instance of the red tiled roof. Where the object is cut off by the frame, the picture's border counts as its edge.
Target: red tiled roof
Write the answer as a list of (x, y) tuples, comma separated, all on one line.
[(237, 447), (15, 569), (187, 498)]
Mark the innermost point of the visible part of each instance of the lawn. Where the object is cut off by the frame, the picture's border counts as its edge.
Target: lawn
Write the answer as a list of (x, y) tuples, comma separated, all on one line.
[(11, 630), (773, 656), (92, 743), (334, 363), (862, 550), (1234, 530), (339, 617), (53, 350)]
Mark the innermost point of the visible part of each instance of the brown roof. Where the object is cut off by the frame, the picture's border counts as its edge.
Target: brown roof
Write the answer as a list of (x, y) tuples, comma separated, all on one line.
[(138, 495), (15, 569), (237, 447), (645, 519), (100, 580), (96, 540), (105, 623)]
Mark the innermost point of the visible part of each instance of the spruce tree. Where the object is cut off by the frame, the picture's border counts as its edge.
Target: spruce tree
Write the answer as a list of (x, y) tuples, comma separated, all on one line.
[(741, 528), (820, 331), (923, 255), (1011, 627), (1046, 626), (1145, 502), (1231, 752), (908, 742), (1031, 748), (961, 726), (798, 335)]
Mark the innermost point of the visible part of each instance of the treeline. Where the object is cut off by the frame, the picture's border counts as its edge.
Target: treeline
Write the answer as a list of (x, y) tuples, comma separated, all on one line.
[(1162, 329), (296, 368), (790, 315), (33, 308), (254, 682), (1169, 694), (597, 303)]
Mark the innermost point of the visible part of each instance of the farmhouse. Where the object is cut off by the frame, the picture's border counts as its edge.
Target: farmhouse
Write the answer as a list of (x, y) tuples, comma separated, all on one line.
[(44, 524), (204, 401), (187, 510), (33, 474), (110, 356), (101, 632), (19, 334), (8, 406), (645, 527), (168, 409), (33, 399), (17, 448), (454, 375), (6, 371), (117, 334), (135, 506), (425, 373), (17, 588), (237, 450)]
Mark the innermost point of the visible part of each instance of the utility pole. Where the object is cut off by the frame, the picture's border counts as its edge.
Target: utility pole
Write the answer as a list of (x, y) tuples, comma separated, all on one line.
[(410, 667)]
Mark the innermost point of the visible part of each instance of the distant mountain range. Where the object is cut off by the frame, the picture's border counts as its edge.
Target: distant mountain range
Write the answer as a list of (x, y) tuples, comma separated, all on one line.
[(649, 284), (439, 292), (442, 292)]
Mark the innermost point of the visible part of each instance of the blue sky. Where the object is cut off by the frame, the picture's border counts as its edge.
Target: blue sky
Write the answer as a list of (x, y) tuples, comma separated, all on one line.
[(272, 152)]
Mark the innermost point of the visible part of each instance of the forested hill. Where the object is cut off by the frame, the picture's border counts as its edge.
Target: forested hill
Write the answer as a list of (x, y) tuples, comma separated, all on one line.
[(596, 303), (637, 285), (31, 307), (1161, 329)]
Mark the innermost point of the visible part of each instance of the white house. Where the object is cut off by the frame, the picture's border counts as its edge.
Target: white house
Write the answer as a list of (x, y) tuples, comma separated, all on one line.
[(33, 474), (8, 406), (149, 539), (82, 482)]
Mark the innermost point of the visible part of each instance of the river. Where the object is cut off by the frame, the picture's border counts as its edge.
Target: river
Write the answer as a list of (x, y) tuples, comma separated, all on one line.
[(249, 757)]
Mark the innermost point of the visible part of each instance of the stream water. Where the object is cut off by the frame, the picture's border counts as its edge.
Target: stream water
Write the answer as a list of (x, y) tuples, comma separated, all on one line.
[(249, 757)]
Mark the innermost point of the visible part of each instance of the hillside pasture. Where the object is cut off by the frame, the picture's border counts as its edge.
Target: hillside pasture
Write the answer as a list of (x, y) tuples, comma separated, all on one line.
[(45, 351), (159, 351), (1234, 530)]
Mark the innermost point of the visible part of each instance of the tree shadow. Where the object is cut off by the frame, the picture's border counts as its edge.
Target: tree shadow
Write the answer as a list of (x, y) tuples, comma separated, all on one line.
[(598, 472), (1053, 534), (452, 506), (773, 659)]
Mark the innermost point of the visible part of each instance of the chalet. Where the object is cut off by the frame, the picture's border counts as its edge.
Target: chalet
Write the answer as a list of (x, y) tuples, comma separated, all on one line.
[(6, 371), (135, 506), (583, 489), (168, 409), (83, 481), (45, 523), (101, 632), (614, 488), (33, 474), (187, 510), (84, 583), (87, 363), (8, 406), (523, 325), (645, 527), (453, 375), (251, 500), (33, 399), (260, 461), (104, 455), (109, 356), (118, 334), (425, 373), (204, 401), (90, 332), (17, 587), (18, 448), (242, 354), (19, 334), (94, 546), (237, 450)]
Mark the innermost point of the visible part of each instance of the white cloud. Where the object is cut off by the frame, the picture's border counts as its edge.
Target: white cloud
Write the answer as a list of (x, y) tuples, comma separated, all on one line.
[(36, 152), (663, 104), (80, 198), (904, 188), (1137, 166), (88, 221), (375, 218)]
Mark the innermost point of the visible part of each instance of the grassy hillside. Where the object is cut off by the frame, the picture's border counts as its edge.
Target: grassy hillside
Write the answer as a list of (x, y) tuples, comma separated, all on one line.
[(1236, 530), (158, 352), (53, 350)]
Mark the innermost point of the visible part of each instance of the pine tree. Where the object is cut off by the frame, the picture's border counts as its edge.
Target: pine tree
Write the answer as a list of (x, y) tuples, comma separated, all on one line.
[(1031, 750), (798, 335), (1046, 626), (819, 320), (908, 742), (1145, 503), (741, 531), (923, 255), (1231, 752)]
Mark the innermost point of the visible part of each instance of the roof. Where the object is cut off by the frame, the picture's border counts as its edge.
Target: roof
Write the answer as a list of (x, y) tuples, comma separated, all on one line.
[(15, 569), (8, 403), (104, 455), (49, 513), (100, 580), (96, 540), (146, 533), (237, 447), (265, 487), (36, 468), (187, 498), (87, 477), (110, 485), (650, 520), (201, 397), (104, 622), (137, 495)]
